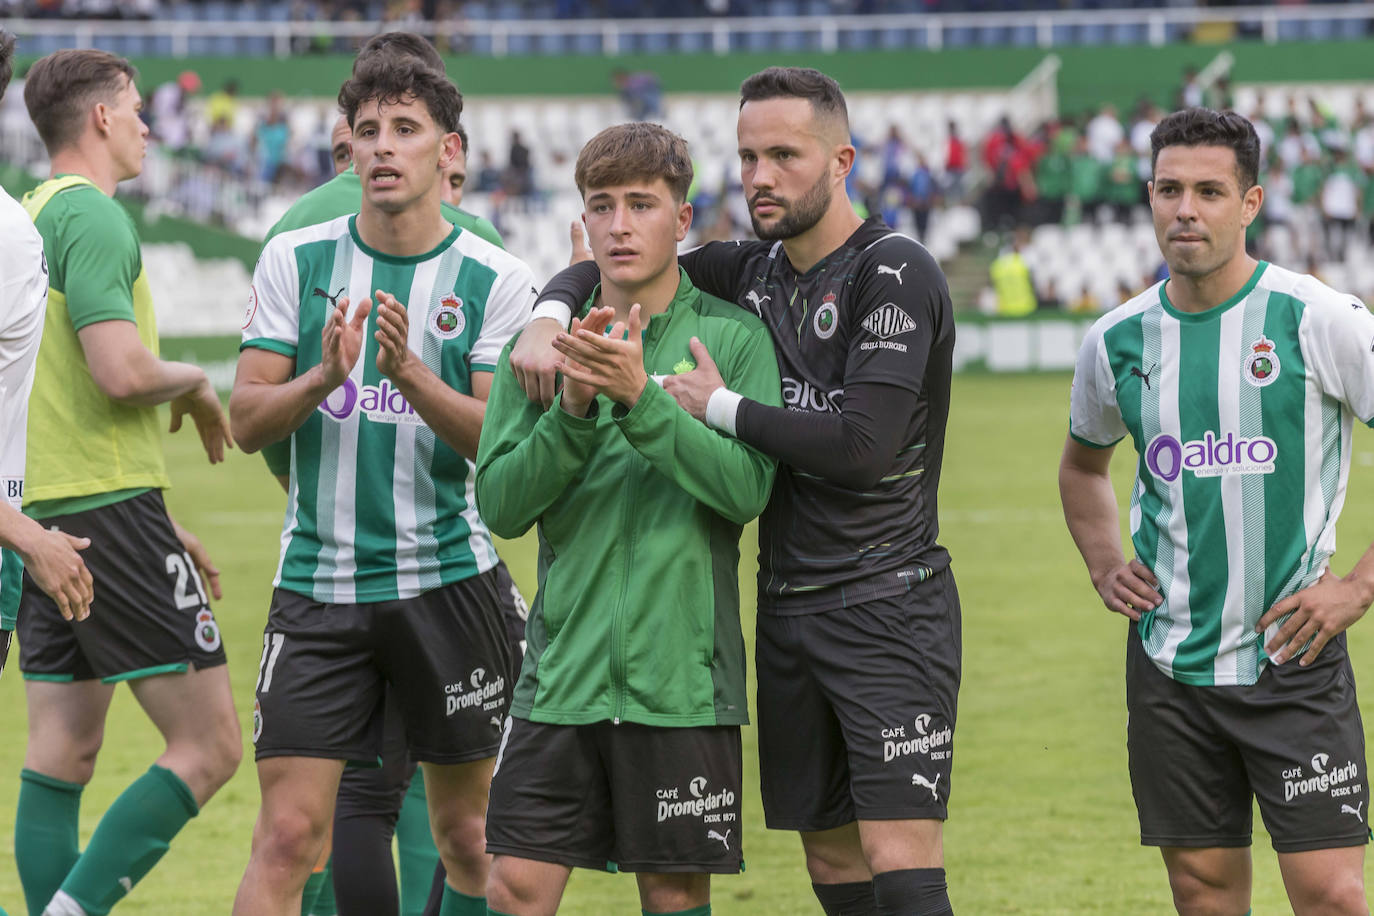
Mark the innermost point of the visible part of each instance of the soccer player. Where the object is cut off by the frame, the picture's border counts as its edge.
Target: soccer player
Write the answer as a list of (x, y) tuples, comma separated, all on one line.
[(624, 739), (1238, 382), (49, 556), (376, 803), (96, 470), (386, 572), (858, 648)]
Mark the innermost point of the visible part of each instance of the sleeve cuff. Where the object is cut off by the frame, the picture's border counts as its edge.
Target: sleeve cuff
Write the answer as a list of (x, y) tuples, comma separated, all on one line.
[(722, 409), (552, 308)]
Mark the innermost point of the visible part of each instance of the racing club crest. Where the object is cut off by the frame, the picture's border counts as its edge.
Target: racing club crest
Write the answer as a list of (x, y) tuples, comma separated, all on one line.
[(827, 317), (447, 321), (1262, 365)]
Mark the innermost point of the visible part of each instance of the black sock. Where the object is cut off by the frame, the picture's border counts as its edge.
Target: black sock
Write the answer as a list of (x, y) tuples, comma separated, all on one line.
[(854, 899), (364, 874), (912, 892)]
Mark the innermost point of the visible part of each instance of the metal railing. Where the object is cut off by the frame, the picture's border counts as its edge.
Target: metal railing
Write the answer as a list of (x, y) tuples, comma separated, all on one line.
[(933, 31)]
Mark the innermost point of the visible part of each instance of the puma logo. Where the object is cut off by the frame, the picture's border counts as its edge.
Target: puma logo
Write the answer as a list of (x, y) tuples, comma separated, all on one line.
[(1144, 376), (918, 780), (756, 300), (894, 271), (1346, 809), (724, 840), (334, 299)]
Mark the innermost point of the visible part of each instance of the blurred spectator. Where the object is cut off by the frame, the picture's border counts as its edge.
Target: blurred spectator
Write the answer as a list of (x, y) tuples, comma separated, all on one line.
[(519, 172), (1123, 187), (956, 164), (1011, 279), (271, 137), (894, 156), (640, 91), (223, 105), (1104, 133), (1341, 194), (167, 109), (921, 196), (1008, 157), (1190, 93), (226, 149), (488, 175)]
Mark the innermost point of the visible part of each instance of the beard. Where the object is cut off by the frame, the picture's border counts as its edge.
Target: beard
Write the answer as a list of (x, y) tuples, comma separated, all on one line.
[(796, 218)]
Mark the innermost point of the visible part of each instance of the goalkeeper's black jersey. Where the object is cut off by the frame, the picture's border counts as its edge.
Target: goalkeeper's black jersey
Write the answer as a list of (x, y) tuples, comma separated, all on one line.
[(874, 311), (873, 316)]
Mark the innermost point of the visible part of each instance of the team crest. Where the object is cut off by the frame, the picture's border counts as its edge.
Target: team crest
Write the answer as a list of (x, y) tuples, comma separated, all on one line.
[(447, 320), (207, 630), (683, 365), (827, 317), (1262, 365)]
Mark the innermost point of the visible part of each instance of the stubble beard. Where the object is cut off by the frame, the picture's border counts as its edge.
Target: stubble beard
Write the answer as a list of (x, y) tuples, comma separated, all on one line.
[(799, 217)]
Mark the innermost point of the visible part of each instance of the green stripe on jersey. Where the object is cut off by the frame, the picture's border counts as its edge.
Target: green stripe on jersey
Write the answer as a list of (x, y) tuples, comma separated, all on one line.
[(379, 508), (1241, 417)]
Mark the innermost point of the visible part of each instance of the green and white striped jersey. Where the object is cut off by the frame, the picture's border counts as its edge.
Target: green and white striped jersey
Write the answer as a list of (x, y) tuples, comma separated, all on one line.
[(1241, 416), (378, 507)]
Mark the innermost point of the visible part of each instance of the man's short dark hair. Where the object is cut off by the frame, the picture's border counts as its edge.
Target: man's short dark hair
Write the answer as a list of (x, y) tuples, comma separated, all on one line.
[(6, 60), (1205, 127), (797, 83), (61, 88), (391, 80), (400, 44), (637, 151)]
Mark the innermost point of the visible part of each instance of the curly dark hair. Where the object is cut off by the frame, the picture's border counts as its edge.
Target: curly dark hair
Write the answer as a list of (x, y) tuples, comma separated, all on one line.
[(1205, 127), (390, 80)]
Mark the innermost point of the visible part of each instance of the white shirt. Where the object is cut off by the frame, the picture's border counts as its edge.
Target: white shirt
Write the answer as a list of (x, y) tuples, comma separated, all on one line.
[(23, 303)]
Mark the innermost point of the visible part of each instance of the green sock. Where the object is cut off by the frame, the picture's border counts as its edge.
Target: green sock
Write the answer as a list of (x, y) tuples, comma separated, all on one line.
[(456, 904), (130, 839), (312, 890), (415, 848), (694, 911), (324, 903), (45, 839)]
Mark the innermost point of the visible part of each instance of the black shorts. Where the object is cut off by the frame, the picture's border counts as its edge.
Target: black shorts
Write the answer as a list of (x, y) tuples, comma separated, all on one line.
[(634, 797), (856, 709), (5, 637), (150, 614), (1293, 740), (378, 791), (443, 653), (514, 610)]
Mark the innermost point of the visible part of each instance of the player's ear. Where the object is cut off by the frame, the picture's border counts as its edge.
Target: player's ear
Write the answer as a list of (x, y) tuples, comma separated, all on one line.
[(100, 118), (842, 163), (1250, 204), (684, 220), (449, 148)]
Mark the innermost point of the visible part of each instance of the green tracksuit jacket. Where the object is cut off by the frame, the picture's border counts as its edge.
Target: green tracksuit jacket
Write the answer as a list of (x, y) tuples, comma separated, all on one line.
[(639, 513)]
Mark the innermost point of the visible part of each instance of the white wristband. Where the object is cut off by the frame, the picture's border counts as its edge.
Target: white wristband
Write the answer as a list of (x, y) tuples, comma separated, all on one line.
[(552, 308), (721, 410)]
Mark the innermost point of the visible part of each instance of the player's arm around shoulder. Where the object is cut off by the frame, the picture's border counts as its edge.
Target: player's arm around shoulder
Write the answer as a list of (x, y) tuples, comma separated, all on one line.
[(527, 455), (732, 478)]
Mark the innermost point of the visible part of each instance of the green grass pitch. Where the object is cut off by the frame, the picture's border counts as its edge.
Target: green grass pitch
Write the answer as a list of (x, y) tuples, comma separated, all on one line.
[(1041, 821)]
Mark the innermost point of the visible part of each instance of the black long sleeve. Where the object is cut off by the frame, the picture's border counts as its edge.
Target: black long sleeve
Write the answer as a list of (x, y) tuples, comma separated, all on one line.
[(854, 447), (572, 285)]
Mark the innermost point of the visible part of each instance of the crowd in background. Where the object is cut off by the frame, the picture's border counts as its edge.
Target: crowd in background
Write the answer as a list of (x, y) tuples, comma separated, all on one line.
[(439, 10)]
